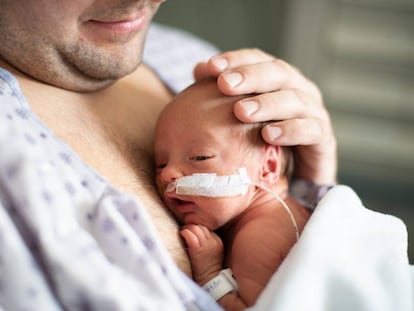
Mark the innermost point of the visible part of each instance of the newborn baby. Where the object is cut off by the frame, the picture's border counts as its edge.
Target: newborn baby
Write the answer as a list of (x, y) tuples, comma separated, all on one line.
[(247, 222)]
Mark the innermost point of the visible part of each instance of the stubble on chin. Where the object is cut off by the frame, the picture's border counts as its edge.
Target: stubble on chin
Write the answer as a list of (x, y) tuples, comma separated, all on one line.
[(101, 64), (84, 68), (66, 61)]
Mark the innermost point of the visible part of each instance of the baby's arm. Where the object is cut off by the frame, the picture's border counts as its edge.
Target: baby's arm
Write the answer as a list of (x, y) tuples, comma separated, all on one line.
[(205, 249)]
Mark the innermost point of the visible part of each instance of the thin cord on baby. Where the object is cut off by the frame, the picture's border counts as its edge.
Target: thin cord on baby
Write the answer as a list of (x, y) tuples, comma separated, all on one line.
[(286, 207)]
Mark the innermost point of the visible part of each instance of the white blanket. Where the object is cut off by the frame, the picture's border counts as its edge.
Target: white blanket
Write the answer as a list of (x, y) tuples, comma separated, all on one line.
[(348, 258)]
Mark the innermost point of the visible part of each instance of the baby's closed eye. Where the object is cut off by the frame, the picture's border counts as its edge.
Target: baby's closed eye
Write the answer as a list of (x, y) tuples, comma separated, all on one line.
[(200, 158)]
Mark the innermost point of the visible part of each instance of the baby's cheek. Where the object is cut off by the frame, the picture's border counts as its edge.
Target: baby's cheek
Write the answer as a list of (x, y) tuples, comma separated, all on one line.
[(159, 186)]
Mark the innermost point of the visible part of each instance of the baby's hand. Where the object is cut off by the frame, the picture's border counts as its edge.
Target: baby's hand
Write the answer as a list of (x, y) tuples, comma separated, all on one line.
[(205, 249)]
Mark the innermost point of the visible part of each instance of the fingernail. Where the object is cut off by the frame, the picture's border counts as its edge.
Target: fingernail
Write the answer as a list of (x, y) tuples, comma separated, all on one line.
[(220, 62), (233, 78), (250, 107), (274, 132)]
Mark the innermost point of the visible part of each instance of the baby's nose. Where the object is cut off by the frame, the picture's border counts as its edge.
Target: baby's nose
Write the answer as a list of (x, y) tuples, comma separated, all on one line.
[(170, 173)]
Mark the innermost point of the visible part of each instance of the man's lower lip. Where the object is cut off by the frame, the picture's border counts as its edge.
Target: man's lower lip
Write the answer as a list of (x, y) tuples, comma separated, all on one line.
[(121, 27)]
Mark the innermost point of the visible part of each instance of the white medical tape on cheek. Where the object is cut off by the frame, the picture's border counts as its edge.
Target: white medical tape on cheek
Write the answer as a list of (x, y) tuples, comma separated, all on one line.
[(211, 185)]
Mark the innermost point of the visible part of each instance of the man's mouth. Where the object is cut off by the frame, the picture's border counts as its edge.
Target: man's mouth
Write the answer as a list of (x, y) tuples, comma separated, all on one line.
[(122, 26)]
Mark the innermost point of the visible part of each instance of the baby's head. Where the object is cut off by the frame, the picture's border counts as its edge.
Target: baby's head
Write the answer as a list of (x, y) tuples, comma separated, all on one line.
[(197, 132)]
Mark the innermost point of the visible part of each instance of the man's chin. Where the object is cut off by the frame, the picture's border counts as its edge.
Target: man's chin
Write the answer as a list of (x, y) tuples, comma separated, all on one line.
[(92, 80), (85, 86)]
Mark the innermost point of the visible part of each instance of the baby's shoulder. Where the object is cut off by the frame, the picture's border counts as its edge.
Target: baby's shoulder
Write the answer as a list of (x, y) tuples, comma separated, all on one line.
[(266, 231)]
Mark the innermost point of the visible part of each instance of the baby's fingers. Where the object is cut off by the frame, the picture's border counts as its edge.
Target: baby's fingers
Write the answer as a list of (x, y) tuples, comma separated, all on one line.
[(196, 235), (190, 238)]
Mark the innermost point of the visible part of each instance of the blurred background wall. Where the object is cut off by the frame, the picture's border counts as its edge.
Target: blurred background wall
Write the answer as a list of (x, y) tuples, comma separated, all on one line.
[(360, 53)]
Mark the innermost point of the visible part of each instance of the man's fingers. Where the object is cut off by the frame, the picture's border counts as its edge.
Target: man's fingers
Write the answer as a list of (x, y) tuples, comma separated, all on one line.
[(294, 132), (249, 71), (202, 71), (257, 78), (230, 60), (281, 105), (233, 59)]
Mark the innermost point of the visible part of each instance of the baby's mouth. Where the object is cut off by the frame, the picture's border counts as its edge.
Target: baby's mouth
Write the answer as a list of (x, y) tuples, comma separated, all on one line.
[(182, 206)]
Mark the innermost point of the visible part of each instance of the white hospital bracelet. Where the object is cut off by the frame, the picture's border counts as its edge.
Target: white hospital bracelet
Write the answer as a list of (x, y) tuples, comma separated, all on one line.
[(221, 284)]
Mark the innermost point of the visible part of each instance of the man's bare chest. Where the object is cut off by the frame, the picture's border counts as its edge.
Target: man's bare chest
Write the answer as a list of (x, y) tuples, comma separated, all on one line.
[(112, 132)]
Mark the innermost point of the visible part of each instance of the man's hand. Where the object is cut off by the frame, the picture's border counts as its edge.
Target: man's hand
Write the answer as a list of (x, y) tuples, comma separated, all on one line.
[(282, 94)]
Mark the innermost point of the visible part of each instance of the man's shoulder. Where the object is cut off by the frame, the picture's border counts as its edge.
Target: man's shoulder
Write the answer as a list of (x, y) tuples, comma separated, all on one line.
[(172, 53)]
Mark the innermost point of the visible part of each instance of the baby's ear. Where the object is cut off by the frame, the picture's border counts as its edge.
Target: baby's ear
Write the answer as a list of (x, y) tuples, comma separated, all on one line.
[(271, 165)]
